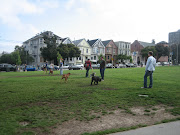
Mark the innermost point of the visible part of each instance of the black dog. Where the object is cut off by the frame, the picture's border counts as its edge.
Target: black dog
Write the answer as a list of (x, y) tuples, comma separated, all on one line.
[(95, 79)]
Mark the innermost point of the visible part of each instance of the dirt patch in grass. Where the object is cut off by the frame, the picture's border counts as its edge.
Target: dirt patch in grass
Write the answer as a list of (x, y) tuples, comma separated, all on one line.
[(116, 119)]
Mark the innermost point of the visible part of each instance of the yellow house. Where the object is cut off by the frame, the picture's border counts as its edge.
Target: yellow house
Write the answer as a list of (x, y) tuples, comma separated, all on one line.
[(85, 48)]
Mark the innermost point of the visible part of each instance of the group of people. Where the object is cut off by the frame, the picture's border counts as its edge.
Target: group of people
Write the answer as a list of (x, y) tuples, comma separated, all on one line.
[(150, 68), (88, 66)]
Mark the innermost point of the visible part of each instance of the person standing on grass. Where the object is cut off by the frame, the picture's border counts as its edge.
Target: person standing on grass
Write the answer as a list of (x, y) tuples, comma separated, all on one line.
[(45, 67), (61, 67), (150, 67), (25, 68), (102, 68), (87, 65)]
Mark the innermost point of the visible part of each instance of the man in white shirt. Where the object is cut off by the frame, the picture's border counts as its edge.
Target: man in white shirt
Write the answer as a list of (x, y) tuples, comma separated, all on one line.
[(150, 67)]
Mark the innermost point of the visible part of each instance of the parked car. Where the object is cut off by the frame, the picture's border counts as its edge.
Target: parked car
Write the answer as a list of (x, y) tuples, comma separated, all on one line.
[(65, 66), (7, 67), (30, 68), (75, 67), (165, 63), (130, 65), (122, 66), (95, 66), (56, 67), (109, 65), (158, 64), (80, 65)]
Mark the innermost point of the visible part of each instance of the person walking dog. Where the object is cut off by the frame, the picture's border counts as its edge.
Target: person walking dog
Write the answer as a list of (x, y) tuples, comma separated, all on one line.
[(87, 65), (102, 68), (150, 68)]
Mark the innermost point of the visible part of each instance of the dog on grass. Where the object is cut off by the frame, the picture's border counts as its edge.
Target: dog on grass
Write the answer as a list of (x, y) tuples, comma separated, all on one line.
[(95, 79), (66, 76), (51, 72)]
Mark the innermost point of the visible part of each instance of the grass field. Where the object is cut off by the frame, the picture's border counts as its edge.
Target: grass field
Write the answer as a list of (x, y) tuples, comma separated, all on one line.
[(43, 100)]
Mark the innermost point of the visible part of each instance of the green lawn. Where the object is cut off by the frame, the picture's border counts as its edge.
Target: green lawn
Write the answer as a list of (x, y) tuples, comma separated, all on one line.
[(45, 100)]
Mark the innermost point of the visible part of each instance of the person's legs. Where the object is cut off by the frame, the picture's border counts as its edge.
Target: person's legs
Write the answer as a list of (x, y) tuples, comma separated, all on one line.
[(151, 80), (61, 71), (145, 79), (103, 73), (87, 72)]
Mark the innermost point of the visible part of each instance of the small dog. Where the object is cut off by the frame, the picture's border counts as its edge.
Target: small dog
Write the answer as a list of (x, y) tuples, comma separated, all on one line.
[(96, 79), (66, 76), (51, 72)]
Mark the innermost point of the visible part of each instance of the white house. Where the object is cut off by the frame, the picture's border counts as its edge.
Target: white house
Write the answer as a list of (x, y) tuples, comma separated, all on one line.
[(97, 49)]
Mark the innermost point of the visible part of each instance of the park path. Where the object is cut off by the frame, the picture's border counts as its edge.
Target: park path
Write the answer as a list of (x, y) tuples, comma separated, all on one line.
[(172, 128)]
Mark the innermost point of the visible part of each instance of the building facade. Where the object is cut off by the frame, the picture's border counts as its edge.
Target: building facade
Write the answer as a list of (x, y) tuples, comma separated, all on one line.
[(136, 48), (34, 44), (124, 48), (85, 48), (98, 48), (111, 51), (174, 37)]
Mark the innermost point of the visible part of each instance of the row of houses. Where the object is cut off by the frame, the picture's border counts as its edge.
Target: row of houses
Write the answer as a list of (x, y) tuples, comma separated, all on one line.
[(90, 49)]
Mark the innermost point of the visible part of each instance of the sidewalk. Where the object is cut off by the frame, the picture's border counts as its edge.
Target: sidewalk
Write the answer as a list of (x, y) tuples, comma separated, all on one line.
[(172, 128)]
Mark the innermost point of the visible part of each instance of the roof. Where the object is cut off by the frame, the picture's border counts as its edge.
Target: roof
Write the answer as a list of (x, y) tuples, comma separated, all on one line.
[(162, 42), (145, 44), (76, 42), (41, 35), (163, 59), (106, 42), (91, 42)]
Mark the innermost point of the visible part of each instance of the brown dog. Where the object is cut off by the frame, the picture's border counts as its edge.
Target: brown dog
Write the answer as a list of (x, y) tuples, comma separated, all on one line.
[(51, 72), (66, 76)]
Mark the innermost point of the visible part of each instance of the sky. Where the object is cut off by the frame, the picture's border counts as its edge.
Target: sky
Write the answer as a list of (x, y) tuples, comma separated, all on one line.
[(119, 20)]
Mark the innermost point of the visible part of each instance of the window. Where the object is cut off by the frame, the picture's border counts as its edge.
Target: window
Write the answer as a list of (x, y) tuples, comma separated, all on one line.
[(91, 58), (76, 58), (80, 58), (94, 57), (97, 50), (94, 50), (70, 59), (86, 50), (108, 57), (114, 51)]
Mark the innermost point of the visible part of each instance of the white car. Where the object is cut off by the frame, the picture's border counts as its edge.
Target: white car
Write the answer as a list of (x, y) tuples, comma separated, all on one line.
[(80, 65), (65, 66)]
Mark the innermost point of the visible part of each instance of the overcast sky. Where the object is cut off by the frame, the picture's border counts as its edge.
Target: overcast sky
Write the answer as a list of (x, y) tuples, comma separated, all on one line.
[(120, 20)]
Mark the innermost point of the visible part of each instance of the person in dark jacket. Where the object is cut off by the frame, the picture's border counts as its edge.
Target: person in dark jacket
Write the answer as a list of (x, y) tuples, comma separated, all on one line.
[(87, 65), (102, 68)]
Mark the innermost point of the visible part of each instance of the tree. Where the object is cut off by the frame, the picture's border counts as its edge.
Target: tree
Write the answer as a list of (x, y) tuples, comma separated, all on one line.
[(124, 57), (68, 50), (49, 52), (24, 55), (144, 52), (161, 50), (100, 56), (59, 57), (18, 59)]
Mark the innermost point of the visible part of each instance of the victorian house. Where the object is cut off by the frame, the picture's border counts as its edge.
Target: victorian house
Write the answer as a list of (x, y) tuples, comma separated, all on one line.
[(111, 51), (98, 48), (85, 50)]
